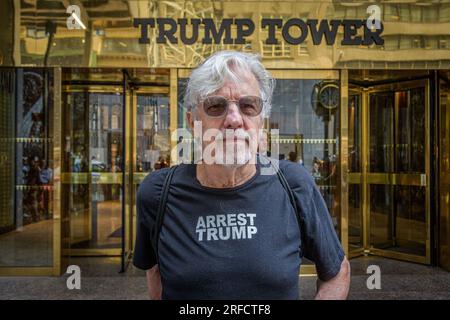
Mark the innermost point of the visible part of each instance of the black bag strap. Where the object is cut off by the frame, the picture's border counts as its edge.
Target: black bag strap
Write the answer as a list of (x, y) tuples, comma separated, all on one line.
[(162, 210), (291, 196), (289, 191)]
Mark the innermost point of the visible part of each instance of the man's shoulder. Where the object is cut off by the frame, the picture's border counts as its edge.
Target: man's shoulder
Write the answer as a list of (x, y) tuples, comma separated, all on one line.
[(151, 186), (297, 176), (154, 178)]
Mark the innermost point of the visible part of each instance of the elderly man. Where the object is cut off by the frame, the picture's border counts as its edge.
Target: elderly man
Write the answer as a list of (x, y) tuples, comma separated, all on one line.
[(230, 232)]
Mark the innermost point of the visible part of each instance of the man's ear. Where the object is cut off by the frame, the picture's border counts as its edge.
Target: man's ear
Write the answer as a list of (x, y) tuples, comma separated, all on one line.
[(190, 117), (261, 124)]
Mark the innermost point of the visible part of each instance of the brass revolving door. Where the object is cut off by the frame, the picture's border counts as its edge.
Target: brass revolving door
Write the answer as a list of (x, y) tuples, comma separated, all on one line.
[(389, 164)]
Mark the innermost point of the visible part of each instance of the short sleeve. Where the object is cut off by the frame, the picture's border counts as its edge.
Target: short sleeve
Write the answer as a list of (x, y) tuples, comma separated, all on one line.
[(148, 196), (320, 242)]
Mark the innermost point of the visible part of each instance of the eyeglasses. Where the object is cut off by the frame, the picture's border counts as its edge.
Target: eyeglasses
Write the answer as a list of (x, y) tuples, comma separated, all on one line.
[(217, 106)]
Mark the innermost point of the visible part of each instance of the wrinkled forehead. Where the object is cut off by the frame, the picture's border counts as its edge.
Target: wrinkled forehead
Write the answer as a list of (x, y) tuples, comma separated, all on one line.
[(241, 82)]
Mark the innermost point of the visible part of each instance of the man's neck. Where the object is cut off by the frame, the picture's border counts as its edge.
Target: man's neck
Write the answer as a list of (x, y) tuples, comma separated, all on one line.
[(219, 176)]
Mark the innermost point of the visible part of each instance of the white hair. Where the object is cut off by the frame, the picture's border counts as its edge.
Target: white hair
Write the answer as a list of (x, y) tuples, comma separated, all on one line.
[(224, 66)]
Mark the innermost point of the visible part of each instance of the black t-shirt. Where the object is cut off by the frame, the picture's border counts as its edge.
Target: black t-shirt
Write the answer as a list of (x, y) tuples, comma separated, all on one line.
[(235, 243)]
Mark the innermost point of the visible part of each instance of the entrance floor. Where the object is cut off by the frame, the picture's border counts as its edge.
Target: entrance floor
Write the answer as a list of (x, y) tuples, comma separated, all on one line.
[(100, 280)]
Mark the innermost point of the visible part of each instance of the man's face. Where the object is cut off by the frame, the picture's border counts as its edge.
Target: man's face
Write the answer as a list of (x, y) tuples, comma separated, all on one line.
[(236, 134)]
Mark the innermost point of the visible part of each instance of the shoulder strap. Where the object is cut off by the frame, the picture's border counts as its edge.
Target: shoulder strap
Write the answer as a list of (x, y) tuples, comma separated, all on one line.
[(161, 210), (288, 189), (290, 193)]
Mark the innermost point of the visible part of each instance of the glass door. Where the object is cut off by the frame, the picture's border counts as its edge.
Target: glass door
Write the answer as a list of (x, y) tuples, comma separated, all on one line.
[(397, 171), (444, 170), (151, 131), (389, 192), (93, 161), (306, 111), (30, 216), (115, 131), (356, 220)]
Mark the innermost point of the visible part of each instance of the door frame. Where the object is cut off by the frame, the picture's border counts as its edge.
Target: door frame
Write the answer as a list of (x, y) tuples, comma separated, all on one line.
[(69, 178), (443, 177), (134, 177), (364, 179)]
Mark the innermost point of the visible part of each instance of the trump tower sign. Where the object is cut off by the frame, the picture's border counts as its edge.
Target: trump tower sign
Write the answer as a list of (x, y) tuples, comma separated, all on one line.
[(293, 31)]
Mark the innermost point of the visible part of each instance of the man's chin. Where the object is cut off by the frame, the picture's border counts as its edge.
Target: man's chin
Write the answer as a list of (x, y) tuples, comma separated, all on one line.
[(231, 165), (236, 162)]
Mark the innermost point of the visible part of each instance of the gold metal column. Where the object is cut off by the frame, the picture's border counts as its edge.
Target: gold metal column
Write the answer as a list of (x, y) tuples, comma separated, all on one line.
[(428, 164), (443, 171), (57, 158), (365, 204), (129, 165), (133, 165), (173, 113), (343, 160), (56, 266)]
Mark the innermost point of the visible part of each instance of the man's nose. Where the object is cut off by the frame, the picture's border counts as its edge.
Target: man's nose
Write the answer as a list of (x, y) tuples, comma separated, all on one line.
[(233, 118)]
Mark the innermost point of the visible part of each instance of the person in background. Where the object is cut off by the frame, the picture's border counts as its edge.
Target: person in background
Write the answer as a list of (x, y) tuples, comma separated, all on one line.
[(46, 179)]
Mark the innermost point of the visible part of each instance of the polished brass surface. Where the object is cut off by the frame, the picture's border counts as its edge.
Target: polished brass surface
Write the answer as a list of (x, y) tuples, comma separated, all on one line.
[(354, 178), (173, 114), (305, 74), (92, 252), (364, 168), (28, 271), (92, 173), (355, 195), (58, 216), (444, 171), (139, 176), (308, 270), (93, 177), (129, 164), (356, 253), (400, 256), (370, 180), (415, 35), (397, 179), (343, 161), (31, 244), (135, 177)]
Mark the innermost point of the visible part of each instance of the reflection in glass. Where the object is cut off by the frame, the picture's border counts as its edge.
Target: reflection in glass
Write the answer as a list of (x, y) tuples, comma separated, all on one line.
[(26, 168), (94, 132), (444, 173), (398, 218), (354, 125), (153, 134), (355, 228), (381, 125), (182, 84), (397, 145), (382, 233), (305, 112), (410, 131)]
